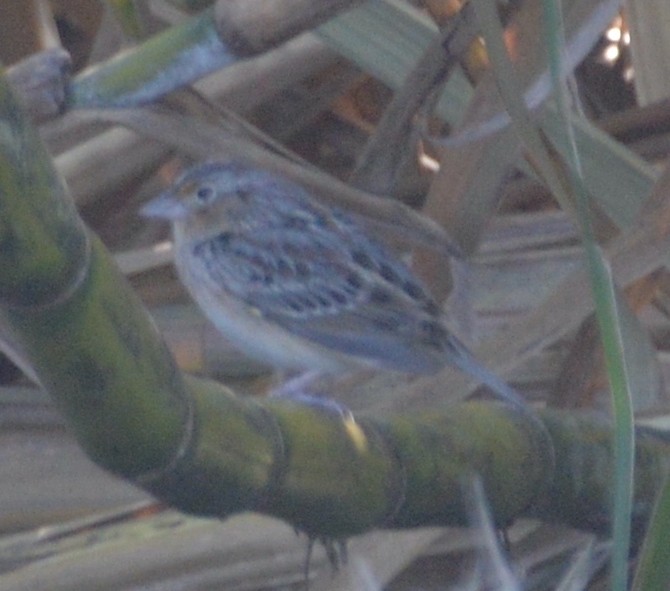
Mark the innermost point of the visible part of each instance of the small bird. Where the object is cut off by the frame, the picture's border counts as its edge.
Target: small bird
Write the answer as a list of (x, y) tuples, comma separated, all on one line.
[(300, 285)]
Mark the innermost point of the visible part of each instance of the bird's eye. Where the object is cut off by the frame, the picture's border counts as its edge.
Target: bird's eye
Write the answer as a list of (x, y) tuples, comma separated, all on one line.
[(204, 194)]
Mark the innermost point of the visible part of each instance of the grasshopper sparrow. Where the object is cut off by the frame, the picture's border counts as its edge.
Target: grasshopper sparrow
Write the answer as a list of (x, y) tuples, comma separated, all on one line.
[(300, 285)]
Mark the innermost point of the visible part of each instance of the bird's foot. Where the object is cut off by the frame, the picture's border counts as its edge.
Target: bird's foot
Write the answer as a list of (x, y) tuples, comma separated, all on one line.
[(299, 389)]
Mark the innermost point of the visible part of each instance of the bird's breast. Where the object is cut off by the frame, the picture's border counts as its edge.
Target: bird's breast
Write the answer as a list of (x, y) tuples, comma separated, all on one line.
[(245, 325)]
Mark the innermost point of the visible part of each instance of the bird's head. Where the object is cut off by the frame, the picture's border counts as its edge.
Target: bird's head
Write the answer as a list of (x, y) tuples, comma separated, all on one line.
[(205, 190)]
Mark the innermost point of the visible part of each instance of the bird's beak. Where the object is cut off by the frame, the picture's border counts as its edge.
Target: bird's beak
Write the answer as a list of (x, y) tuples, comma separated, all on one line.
[(166, 206)]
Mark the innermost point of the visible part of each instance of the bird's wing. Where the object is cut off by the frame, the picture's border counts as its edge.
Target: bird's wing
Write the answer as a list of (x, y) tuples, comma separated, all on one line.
[(333, 287)]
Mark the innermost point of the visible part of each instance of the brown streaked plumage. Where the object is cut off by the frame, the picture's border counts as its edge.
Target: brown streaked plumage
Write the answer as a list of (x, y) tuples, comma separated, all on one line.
[(300, 285)]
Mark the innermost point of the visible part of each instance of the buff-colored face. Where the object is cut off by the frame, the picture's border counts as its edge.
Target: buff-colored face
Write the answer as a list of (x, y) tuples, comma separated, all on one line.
[(211, 195)]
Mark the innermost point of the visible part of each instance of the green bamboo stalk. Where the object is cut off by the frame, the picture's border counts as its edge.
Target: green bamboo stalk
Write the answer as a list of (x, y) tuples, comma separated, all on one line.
[(166, 61), (580, 494), (55, 292), (194, 444), (208, 41), (128, 17)]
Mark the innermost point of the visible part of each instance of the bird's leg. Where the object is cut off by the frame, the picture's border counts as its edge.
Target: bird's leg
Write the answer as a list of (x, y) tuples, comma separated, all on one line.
[(296, 385), (308, 560), (299, 388), (336, 553)]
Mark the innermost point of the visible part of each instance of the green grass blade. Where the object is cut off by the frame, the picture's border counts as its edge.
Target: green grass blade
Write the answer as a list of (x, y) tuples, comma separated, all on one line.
[(605, 295), (567, 185), (653, 571)]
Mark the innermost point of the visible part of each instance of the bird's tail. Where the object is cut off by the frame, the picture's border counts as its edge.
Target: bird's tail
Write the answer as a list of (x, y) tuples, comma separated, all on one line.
[(461, 357)]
